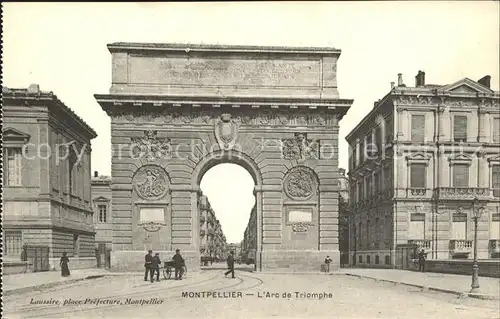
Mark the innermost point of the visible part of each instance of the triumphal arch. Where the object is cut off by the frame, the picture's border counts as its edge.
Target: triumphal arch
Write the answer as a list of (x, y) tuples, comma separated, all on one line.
[(178, 110)]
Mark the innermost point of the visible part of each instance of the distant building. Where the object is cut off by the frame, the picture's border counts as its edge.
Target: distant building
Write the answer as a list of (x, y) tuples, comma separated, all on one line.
[(103, 220), (417, 161), (343, 217), (249, 243), (46, 179), (212, 239)]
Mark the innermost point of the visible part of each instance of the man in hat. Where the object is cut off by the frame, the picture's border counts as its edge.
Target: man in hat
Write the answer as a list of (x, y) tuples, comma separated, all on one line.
[(328, 261), (155, 267), (148, 259), (421, 260), (178, 263), (230, 265)]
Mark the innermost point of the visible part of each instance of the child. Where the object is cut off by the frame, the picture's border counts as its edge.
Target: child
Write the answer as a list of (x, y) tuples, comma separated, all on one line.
[(327, 263)]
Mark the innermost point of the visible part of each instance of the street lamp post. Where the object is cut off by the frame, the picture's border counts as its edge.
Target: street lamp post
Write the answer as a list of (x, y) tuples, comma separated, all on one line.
[(476, 214)]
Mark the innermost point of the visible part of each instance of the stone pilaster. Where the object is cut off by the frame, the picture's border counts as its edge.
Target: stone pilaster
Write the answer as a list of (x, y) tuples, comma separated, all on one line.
[(484, 126)]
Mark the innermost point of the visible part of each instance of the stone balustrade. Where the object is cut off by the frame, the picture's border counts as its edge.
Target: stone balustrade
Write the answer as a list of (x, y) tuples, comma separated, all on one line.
[(464, 193), (460, 246), (421, 243)]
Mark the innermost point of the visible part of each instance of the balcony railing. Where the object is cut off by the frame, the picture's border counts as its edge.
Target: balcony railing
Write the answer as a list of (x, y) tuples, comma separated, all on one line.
[(465, 193), (421, 243), (417, 192), (460, 246)]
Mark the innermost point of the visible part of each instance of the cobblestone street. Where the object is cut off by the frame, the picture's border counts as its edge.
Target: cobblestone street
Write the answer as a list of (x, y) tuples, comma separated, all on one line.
[(250, 295)]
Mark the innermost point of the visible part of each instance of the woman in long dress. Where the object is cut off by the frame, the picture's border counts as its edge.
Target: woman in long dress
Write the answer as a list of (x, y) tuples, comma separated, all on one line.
[(64, 265)]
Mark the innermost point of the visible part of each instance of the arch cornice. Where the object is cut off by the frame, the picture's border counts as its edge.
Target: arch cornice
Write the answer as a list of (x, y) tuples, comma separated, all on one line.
[(225, 157)]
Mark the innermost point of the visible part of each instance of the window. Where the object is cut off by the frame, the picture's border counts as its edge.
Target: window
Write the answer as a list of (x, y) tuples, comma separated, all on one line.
[(12, 166), (368, 186), (417, 226), (360, 191), (460, 128), (459, 226), (102, 208), (76, 245), (378, 140), (460, 175), (495, 226), (71, 169), (417, 128), (417, 176), (495, 180), (13, 243), (361, 152), (496, 130), (376, 185), (387, 177)]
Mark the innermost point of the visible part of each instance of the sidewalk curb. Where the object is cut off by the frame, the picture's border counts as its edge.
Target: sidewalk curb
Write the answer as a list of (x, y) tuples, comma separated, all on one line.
[(16, 291), (461, 294)]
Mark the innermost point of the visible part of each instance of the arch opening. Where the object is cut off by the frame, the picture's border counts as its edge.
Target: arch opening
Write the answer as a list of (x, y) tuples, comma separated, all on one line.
[(227, 196)]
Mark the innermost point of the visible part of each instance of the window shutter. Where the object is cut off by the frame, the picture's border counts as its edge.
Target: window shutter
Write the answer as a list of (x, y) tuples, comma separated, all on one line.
[(460, 128), (495, 174), (417, 176), (418, 128), (460, 175)]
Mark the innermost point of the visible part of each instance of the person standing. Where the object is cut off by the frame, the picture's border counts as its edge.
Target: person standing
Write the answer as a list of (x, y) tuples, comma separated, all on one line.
[(421, 260), (147, 264), (230, 265), (328, 261), (153, 267), (157, 263), (64, 265), (178, 264)]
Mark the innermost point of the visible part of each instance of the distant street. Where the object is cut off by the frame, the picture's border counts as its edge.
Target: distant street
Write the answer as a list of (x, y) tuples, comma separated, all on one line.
[(208, 294)]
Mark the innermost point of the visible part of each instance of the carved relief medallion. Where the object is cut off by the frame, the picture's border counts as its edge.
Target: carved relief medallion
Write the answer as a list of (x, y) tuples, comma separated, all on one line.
[(151, 147), (300, 184), (300, 148), (226, 131), (150, 182)]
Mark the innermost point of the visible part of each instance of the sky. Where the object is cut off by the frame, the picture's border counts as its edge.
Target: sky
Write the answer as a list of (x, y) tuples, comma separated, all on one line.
[(62, 47)]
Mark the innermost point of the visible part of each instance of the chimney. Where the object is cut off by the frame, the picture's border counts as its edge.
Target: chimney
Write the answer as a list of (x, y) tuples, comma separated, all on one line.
[(485, 81), (96, 174), (400, 79), (34, 88), (420, 79), (392, 85)]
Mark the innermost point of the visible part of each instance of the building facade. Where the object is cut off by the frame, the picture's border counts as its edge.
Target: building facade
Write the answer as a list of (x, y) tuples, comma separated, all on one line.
[(212, 238), (343, 217), (417, 161), (103, 220), (46, 178), (249, 243)]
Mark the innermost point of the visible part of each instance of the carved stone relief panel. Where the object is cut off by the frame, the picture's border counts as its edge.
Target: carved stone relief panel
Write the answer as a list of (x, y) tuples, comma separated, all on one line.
[(151, 182), (272, 117), (151, 147), (300, 184), (300, 148)]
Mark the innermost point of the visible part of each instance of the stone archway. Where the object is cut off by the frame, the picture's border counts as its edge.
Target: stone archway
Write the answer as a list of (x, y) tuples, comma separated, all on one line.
[(275, 111), (241, 159)]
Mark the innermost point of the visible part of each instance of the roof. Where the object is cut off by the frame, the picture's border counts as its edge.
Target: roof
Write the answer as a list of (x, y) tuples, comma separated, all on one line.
[(476, 88), (34, 92), (126, 46)]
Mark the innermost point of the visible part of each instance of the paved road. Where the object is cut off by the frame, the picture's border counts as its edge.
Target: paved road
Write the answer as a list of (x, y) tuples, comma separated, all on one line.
[(344, 297)]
